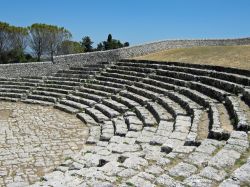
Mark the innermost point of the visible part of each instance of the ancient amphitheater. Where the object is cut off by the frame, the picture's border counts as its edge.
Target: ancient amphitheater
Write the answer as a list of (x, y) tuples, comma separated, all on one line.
[(97, 120)]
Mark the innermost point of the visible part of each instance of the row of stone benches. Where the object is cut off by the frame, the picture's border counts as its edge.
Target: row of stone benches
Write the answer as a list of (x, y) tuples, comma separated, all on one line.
[(112, 90), (141, 122)]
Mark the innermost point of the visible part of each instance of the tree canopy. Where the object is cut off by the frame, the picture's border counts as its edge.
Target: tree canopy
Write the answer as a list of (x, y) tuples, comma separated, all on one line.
[(111, 43), (43, 41), (46, 39), (13, 41), (87, 44), (70, 47)]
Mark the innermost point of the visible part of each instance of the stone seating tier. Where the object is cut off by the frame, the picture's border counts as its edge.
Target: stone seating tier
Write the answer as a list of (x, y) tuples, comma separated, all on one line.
[(146, 123)]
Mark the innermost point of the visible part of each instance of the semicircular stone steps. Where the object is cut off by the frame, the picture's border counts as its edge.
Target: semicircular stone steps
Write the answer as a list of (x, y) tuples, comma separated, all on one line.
[(150, 123)]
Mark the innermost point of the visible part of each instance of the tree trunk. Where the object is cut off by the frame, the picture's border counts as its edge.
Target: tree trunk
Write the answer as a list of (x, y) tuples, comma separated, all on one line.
[(38, 57), (51, 56)]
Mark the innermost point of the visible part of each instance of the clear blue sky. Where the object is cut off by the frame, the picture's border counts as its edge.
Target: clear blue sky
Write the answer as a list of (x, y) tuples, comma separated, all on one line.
[(136, 21)]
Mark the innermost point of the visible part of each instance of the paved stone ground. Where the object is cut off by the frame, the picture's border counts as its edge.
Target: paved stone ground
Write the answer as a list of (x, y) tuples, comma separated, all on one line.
[(34, 140)]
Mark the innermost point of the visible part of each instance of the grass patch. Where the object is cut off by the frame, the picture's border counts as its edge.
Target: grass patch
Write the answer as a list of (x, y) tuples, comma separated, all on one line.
[(87, 152), (228, 56), (130, 184), (241, 161), (179, 178), (243, 158), (68, 158), (118, 180), (42, 179), (216, 151), (173, 162), (151, 162)]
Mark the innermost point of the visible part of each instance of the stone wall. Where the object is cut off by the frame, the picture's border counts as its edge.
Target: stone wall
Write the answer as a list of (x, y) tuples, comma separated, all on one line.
[(64, 61), (25, 69), (148, 48)]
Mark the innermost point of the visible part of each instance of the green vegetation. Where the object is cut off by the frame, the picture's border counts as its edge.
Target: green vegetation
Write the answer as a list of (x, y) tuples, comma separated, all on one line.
[(42, 179), (68, 158), (86, 44), (70, 47), (118, 179), (130, 184), (44, 41), (111, 44), (179, 178), (13, 41), (228, 56)]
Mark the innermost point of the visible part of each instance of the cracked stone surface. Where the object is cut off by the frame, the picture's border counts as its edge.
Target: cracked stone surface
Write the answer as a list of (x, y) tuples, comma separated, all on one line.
[(145, 128), (34, 140), (183, 170)]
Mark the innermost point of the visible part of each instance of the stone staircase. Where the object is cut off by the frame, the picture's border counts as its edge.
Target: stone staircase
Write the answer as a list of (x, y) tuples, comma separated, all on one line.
[(150, 123)]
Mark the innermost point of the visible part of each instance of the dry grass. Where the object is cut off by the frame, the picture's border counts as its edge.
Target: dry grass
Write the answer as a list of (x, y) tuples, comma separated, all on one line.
[(228, 56)]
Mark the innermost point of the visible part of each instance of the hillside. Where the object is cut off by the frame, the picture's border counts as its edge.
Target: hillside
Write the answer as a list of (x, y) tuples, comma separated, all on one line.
[(229, 56)]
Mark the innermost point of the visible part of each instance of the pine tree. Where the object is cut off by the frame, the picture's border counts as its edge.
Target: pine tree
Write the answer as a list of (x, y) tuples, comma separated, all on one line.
[(87, 44)]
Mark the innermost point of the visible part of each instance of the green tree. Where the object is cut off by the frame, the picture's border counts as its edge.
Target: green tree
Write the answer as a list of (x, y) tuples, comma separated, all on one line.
[(13, 41), (54, 37), (100, 47), (19, 37), (46, 39), (87, 44), (109, 40), (111, 43), (126, 44), (37, 33), (70, 47), (4, 40), (3, 35)]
